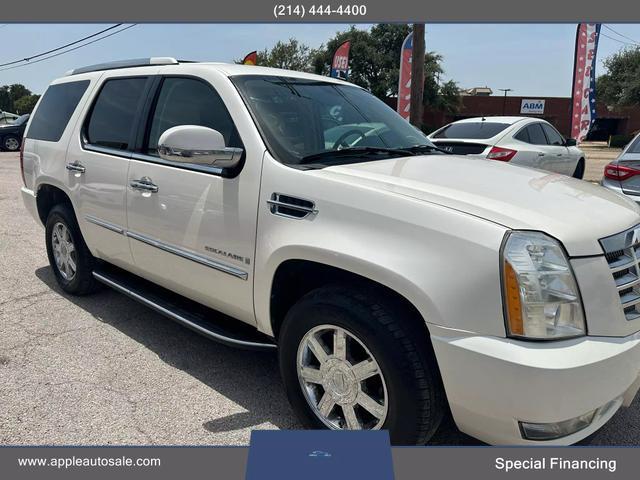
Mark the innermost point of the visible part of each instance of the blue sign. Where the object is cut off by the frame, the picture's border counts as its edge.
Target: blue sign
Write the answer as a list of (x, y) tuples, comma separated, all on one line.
[(319, 455)]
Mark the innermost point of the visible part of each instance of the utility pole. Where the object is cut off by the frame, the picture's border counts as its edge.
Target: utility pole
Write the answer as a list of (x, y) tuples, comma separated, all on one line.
[(417, 75), (504, 103)]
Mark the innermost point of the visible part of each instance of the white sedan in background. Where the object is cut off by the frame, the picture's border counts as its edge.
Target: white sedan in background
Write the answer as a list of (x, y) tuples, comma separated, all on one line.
[(526, 141)]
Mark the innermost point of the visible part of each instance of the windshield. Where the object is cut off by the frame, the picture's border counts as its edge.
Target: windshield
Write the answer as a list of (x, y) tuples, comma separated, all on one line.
[(302, 118), (471, 130), (20, 120)]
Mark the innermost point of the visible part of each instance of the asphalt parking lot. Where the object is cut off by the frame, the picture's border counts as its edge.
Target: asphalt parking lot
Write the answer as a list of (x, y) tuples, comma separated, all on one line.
[(103, 369)]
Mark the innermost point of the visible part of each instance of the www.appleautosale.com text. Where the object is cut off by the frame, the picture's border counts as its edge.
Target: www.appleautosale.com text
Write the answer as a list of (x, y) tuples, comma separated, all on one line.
[(555, 463)]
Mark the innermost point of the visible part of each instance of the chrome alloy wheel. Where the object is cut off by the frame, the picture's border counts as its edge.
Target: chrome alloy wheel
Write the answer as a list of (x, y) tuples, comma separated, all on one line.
[(64, 251), (341, 380), (11, 144)]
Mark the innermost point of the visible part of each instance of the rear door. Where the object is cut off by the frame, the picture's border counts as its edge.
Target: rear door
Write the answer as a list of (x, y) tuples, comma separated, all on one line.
[(98, 161), (194, 231), (562, 160), (533, 148)]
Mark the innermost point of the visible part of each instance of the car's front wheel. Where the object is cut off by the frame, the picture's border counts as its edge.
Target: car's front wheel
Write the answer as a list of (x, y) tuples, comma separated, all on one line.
[(11, 143), (354, 359)]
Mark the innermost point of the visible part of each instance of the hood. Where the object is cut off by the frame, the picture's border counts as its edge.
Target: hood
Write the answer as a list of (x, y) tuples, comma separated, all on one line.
[(576, 212)]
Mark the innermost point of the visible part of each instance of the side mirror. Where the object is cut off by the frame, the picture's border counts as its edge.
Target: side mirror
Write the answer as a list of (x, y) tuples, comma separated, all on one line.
[(570, 142), (198, 146)]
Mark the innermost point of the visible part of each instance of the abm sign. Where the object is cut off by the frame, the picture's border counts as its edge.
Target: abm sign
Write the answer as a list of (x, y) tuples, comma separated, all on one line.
[(535, 107)]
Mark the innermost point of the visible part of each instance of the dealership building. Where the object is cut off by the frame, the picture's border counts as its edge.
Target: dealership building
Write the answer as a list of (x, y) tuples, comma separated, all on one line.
[(478, 102)]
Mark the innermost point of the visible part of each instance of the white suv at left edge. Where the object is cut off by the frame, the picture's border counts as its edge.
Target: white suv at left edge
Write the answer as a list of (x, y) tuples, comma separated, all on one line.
[(530, 142)]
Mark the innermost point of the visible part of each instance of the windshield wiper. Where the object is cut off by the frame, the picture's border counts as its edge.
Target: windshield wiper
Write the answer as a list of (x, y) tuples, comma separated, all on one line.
[(355, 152), (428, 148)]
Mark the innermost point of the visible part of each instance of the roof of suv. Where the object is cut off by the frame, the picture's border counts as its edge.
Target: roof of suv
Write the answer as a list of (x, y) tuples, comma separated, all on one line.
[(228, 69)]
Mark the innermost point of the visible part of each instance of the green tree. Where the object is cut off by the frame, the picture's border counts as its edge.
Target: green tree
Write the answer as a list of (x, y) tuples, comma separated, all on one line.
[(9, 94), (374, 65), (374, 57), (290, 55), (25, 104), (620, 86)]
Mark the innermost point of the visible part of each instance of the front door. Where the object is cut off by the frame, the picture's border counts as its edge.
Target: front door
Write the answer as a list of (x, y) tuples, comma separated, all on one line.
[(192, 229), (562, 160)]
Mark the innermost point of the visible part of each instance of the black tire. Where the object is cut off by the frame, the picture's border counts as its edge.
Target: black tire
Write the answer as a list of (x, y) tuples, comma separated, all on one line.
[(11, 143), (579, 171), (82, 282), (416, 399)]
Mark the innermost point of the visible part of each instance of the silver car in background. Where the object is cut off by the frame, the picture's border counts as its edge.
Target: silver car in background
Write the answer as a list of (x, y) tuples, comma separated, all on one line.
[(623, 174), (526, 141)]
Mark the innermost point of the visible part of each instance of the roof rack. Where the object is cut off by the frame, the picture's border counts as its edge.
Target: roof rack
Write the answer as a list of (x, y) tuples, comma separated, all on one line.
[(136, 62)]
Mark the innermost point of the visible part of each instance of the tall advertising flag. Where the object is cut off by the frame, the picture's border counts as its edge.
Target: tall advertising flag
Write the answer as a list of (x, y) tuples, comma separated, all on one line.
[(404, 82), (583, 105), (340, 63), (251, 58)]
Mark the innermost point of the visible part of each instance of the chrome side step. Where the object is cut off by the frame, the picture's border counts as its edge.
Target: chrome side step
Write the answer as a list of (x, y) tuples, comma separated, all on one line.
[(205, 321)]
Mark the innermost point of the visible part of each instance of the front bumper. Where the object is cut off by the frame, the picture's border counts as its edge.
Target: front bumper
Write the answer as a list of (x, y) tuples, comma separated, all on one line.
[(492, 383), (29, 200)]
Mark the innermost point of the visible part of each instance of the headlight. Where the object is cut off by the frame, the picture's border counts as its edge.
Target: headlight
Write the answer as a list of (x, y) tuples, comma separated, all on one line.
[(541, 297)]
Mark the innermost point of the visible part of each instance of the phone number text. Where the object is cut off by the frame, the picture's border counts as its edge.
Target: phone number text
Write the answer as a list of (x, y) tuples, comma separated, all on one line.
[(291, 10)]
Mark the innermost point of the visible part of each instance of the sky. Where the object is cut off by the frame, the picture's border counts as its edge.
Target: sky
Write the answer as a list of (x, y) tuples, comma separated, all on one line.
[(532, 59)]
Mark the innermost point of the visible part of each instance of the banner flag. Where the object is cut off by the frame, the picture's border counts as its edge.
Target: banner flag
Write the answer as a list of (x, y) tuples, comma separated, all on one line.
[(583, 94), (340, 63), (404, 82), (251, 58)]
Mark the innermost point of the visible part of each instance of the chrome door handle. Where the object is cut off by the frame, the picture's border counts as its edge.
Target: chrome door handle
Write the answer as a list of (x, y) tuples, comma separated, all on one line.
[(541, 154), (75, 167), (145, 184)]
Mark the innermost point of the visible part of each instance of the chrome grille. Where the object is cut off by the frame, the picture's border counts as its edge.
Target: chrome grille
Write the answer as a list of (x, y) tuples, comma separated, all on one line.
[(622, 252)]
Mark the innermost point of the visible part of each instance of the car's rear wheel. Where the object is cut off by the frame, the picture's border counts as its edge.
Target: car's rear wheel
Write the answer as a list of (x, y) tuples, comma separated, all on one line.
[(11, 143), (355, 359), (69, 257), (579, 171)]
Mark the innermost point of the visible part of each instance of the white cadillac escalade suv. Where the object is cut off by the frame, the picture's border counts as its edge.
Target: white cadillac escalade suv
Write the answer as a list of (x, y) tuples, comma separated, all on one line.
[(272, 209)]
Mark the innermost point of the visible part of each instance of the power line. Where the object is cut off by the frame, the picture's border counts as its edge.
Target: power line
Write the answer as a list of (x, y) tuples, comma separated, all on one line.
[(69, 50), (618, 40), (27, 59), (623, 36)]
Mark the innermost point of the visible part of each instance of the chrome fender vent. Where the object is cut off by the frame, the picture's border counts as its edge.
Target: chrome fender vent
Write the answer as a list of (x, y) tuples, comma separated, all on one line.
[(291, 207)]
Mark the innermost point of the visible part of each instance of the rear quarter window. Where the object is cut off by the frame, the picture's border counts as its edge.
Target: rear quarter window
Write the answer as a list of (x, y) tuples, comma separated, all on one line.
[(55, 109), (471, 130), (635, 146)]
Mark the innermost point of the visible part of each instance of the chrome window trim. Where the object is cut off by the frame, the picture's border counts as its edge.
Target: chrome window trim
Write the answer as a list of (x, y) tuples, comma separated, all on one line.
[(187, 254), (143, 157)]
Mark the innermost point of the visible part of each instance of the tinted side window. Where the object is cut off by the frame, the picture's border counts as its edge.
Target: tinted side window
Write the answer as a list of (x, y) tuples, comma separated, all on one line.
[(536, 134), (523, 135), (186, 101), (113, 114), (55, 110), (554, 137), (635, 148)]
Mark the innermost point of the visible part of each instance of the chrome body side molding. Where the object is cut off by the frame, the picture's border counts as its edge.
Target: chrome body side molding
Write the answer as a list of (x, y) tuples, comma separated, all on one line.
[(194, 257)]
